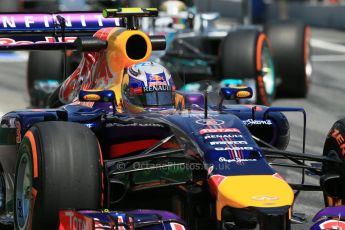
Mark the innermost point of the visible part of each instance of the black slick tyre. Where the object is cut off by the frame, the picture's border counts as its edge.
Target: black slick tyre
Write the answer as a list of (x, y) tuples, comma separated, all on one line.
[(43, 66), (290, 42), (59, 167), (333, 179), (245, 54)]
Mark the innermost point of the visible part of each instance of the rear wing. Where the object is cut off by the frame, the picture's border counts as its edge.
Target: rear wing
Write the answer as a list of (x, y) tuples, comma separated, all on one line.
[(44, 31), (29, 28)]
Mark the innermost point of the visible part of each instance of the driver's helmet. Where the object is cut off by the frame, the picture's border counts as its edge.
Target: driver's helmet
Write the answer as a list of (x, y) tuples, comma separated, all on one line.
[(148, 86), (177, 11)]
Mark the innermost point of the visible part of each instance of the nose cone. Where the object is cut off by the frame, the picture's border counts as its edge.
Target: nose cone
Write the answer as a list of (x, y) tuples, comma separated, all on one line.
[(261, 191)]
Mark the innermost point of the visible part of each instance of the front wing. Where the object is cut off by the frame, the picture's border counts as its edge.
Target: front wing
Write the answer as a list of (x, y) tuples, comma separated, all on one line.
[(119, 220)]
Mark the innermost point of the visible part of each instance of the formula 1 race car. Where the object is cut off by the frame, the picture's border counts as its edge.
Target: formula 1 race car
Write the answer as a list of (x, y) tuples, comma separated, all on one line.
[(273, 60), (118, 135)]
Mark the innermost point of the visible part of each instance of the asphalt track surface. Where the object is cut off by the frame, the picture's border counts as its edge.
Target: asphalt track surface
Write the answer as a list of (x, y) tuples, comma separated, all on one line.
[(324, 105)]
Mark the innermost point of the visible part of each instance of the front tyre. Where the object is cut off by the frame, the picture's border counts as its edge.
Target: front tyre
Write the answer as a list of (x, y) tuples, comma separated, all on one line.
[(246, 54), (59, 167), (333, 179)]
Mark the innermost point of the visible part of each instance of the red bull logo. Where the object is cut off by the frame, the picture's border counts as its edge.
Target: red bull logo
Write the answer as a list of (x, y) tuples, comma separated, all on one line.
[(155, 80)]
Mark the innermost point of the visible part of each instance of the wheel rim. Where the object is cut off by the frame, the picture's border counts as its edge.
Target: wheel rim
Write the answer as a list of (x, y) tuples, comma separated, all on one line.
[(23, 191), (307, 57), (267, 70)]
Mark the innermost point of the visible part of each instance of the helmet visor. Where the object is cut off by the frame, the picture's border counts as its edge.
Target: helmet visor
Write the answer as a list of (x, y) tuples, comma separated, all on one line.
[(156, 98)]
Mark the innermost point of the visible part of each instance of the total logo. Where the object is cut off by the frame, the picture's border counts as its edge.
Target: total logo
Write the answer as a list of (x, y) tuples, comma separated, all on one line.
[(209, 122), (220, 130), (76, 221)]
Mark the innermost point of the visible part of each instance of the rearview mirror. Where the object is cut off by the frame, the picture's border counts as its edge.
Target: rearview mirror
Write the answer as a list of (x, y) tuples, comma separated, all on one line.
[(97, 95), (234, 93)]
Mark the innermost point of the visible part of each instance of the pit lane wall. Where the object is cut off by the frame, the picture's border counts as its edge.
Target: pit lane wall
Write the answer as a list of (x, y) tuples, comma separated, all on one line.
[(314, 13)]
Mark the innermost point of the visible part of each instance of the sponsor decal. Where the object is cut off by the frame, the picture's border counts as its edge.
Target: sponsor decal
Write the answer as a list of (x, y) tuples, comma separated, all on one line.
[(19, 129), (155, 88), (134, 125), (223, 159), (333, 224), (177, 226), (156, 80), (44, 21), (220, 130), (217, 136), (233, 148), (251, 122), (228, 143), (264, 198), (76, 221), (339, 139), (209, 122), (10, 41)]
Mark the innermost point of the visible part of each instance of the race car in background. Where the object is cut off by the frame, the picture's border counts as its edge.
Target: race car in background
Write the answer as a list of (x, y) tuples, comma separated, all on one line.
[(117, 134), (274, 60)]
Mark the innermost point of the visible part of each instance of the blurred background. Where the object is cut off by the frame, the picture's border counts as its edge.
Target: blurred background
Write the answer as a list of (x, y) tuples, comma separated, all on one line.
[(325, 13), (324, 104)]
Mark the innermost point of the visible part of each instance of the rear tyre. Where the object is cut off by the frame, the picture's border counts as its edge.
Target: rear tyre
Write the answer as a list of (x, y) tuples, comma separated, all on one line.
[(59, 167), (333, 180), (246, 54), (43, 66), (291, 54)]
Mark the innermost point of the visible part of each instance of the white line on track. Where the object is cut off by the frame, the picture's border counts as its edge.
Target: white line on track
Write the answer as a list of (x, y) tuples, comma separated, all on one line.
[(327, 45), (328, 58)]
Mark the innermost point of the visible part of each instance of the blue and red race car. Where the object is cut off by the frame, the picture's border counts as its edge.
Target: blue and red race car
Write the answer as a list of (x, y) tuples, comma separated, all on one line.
[(118, 135), (330, 218), (105, 219)]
